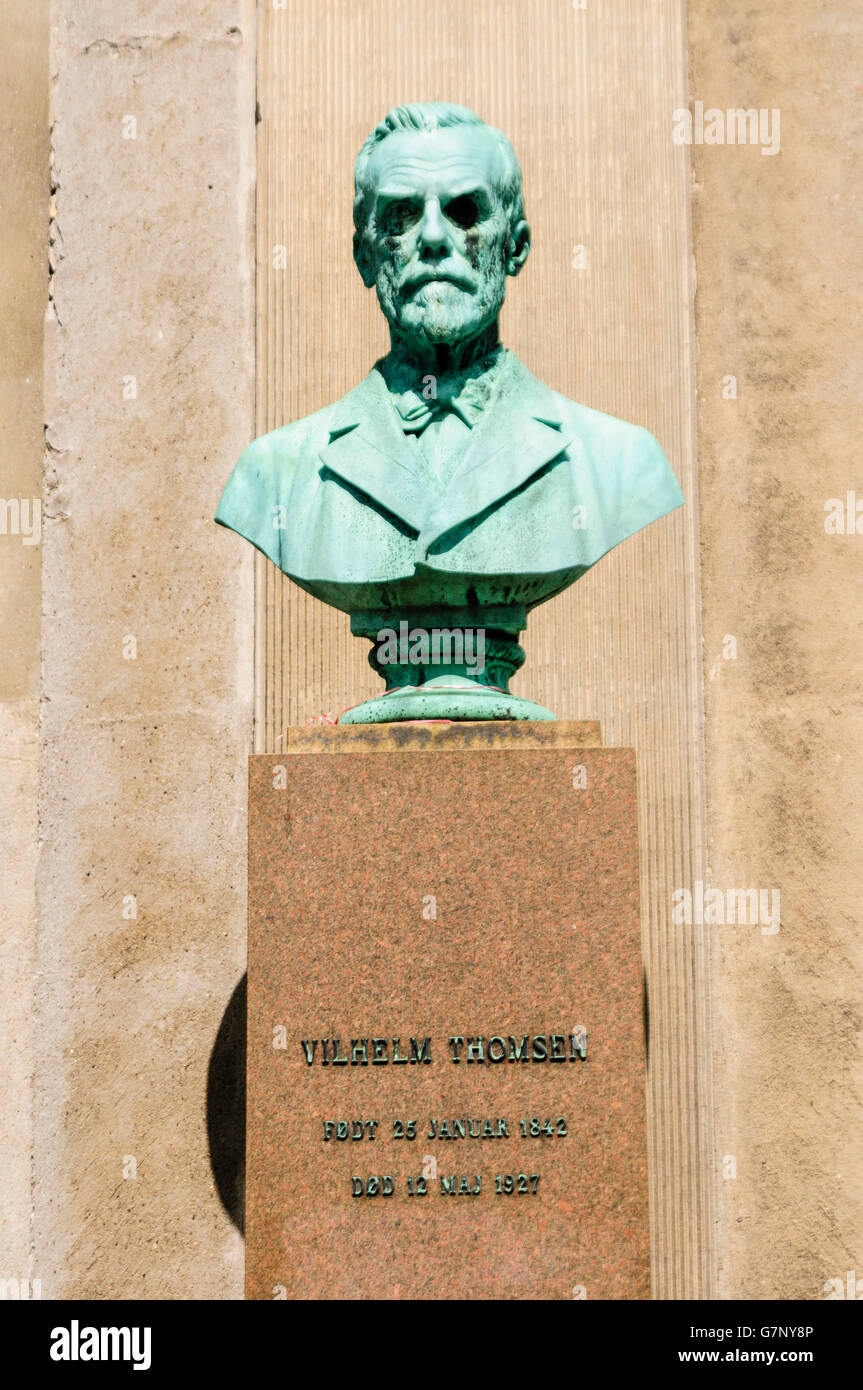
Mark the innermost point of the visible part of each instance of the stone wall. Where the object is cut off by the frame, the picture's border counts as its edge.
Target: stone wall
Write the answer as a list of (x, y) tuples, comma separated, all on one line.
[(146, 642), (778, 307), (126, 713), (23, 297)]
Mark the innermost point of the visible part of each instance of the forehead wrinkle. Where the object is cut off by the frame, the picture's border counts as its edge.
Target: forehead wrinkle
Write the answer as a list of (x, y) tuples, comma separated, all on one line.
[(408, 172), (409, 159), (410, 189)]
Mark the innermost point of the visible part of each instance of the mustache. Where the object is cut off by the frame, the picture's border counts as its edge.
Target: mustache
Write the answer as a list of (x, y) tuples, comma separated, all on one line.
[(430, 277)]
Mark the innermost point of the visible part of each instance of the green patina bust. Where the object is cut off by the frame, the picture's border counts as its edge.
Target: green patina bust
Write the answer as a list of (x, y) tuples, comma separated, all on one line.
[(450, 491)]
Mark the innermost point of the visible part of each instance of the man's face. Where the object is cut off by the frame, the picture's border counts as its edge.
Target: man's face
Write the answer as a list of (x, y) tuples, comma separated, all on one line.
[(439, 234)]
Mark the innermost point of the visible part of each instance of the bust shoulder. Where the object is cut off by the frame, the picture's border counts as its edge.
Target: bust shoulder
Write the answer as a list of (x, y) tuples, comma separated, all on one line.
[(602, 432), (291, 442), (622, 467), (266, 475)]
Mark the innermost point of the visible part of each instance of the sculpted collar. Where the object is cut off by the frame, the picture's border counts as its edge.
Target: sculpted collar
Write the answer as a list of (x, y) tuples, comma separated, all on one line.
[(369, 451), (421, 398)]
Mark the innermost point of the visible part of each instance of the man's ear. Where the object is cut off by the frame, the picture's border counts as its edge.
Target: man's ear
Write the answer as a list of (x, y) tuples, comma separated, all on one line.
[(518, 247), (362, 260)]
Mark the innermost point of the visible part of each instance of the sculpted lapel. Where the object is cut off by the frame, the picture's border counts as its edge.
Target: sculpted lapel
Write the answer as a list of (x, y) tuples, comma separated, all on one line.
[(516, 436), (369, 450)]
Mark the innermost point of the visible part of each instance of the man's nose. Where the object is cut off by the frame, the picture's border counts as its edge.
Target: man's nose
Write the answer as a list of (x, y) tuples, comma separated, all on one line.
[(434, 238)]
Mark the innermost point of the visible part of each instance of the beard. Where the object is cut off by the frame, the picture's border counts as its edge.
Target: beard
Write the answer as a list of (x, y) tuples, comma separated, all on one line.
[(440, 312)]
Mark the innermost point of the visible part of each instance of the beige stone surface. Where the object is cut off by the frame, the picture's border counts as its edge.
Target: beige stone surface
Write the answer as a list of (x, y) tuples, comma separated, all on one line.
[(603, 313), (23, 297), (147, 642), (779, 306), (109, 1021)]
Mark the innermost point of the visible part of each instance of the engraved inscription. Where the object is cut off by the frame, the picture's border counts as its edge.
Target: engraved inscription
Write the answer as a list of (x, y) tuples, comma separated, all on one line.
[(470, 1049), (458, 1049)]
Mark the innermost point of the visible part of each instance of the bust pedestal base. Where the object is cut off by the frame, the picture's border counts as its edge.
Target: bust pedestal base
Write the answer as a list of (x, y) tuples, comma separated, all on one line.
[(444, 697), (446, 1085)]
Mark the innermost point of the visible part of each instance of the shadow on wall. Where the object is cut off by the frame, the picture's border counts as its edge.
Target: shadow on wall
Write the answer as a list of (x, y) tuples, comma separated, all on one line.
[(226, 1108), (645, 1014)]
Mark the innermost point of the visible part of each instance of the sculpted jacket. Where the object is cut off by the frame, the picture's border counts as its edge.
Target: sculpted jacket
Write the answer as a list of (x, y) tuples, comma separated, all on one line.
[(341, 502)]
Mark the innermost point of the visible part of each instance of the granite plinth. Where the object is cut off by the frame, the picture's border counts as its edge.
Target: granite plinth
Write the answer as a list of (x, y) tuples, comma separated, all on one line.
[(427, 884)]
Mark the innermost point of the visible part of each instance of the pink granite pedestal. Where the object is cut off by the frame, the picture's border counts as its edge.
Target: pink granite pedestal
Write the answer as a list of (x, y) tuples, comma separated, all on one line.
[(428, 883)]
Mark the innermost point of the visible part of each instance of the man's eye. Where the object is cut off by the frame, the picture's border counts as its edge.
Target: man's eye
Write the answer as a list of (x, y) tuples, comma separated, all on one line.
[(463, 211), (399, 216)]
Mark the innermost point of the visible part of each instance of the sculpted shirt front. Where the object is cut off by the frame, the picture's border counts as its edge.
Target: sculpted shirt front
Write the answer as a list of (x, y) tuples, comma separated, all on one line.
[(438, 414), (495, 491)]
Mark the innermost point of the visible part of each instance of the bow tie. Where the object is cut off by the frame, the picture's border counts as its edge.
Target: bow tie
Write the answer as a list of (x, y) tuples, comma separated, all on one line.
[(464, 395)]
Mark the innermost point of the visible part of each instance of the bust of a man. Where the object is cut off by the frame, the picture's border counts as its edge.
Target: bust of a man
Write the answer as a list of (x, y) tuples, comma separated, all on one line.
[(450, 491)]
